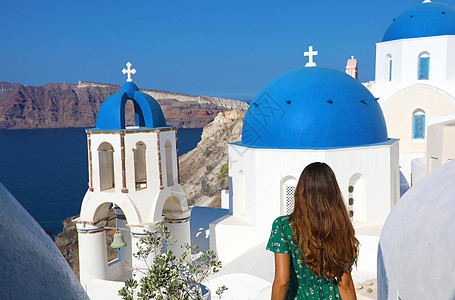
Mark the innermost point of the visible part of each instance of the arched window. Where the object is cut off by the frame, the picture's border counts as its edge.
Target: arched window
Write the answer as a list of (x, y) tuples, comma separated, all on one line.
[(241, 196), (169, 165), (424, 66), (388, 60), (418, 124), (106, 166), (288, 186), (140, 167)]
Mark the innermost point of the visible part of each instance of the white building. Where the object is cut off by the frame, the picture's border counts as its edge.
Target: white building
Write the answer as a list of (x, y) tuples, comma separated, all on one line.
[(415, 76), (135, 170), (308, 115), (416, 258)]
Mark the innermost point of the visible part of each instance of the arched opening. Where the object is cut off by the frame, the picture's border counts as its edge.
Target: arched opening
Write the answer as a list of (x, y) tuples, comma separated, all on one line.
[(241, 193), (424, 66), (288, 185), (106, 166), (119, 260), (130, 119), (140, 166), (357, 198), (169, 164), (418, 124), (388, 61)]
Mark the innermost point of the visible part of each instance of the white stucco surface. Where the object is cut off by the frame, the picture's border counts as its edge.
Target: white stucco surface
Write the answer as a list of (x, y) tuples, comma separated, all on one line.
[(417, 243), (31, 265)]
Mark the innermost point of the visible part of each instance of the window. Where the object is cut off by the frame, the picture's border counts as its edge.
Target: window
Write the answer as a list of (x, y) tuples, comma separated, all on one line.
[(169, 165), (287, 197), (418, 124), (389, 67), (106, 166), (140, 168), (424, 66)]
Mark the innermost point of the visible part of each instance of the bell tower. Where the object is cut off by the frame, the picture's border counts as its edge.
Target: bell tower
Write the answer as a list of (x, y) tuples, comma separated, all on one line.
[(133, 170)]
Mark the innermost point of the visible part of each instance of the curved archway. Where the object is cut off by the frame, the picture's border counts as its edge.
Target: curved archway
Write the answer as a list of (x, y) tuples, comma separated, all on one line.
[(140, 165), (106, 166), (357, 198), (287, 187), (423, 66)]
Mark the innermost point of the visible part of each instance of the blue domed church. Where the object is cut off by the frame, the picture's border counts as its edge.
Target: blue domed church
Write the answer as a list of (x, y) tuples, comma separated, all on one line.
[(303, 116), (415, 80), (134, 171)]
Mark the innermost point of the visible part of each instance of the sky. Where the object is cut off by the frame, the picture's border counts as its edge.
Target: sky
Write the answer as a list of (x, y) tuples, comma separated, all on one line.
[(219, 48)]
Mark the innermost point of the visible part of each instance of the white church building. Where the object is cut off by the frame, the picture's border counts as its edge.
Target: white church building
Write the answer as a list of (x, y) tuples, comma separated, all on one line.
[(415, 76), (307, 115), (135, 170)]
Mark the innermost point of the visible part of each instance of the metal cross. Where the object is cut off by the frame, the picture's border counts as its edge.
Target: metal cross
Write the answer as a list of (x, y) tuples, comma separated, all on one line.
[(310, 54), (129, 71)]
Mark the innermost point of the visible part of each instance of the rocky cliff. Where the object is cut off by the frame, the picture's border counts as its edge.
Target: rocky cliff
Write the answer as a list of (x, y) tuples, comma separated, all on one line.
[(203, 174), (76, 105), (204, 170)]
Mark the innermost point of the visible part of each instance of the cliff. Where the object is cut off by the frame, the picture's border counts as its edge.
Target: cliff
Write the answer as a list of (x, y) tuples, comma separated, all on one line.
[(203, 174), (204, 170), (76, 105)]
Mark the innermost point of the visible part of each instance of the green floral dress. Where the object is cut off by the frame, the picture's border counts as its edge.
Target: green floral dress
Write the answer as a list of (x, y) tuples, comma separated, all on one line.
[(303, 283)]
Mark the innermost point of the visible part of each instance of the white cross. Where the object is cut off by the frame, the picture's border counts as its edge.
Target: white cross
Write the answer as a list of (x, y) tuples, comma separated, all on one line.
[(310, 54), (129, 71)]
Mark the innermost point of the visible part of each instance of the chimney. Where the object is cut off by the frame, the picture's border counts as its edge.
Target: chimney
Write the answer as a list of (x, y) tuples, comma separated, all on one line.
[(351, 68)]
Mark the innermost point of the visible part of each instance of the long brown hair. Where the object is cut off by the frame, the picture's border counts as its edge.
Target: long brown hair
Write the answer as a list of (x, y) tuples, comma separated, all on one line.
[(321, 225)]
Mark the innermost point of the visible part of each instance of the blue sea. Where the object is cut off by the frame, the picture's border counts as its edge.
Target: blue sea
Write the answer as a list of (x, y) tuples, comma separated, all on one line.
[(46, 170)]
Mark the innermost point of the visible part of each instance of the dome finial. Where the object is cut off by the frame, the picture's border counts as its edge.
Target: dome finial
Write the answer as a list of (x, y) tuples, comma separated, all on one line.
[(427, 1), (129, 71), (310, 53)]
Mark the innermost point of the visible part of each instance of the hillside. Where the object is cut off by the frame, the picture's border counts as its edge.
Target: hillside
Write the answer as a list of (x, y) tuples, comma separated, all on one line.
[(204, 170), (76, 105)]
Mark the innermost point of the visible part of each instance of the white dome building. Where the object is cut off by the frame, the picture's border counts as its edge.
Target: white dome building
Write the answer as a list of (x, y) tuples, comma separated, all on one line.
[(415, 76), (308, 115), (32, 266), (415, 259)]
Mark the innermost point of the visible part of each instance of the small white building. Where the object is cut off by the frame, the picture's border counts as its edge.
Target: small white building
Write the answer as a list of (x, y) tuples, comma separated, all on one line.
[(415, 76), (135, 170), (308, 115)]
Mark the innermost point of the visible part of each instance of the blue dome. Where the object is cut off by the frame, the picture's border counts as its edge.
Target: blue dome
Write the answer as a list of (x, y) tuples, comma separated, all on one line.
[(423, 20), (313, 108), (111, 115)]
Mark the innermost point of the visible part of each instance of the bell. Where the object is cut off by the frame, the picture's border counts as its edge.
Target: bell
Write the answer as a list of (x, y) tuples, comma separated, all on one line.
[(118, 241)]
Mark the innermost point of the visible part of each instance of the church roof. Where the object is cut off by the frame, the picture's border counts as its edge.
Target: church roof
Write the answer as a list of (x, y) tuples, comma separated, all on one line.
[(313, 108), (111, 115), (423, 20)]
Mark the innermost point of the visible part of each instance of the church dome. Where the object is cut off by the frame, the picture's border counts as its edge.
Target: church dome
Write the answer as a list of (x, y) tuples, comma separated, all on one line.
[(111, 115), (423, 20), (313, 108)]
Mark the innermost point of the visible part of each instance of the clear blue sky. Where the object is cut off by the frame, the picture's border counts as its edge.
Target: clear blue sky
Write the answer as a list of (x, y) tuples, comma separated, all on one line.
[(217, 48)]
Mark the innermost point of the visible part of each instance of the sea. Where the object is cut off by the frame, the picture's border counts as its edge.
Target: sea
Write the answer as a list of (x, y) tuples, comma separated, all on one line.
[(46, 170)]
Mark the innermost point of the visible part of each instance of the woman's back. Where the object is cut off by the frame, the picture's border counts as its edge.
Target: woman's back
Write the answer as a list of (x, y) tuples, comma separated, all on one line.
[(303, 283), (315, 246)]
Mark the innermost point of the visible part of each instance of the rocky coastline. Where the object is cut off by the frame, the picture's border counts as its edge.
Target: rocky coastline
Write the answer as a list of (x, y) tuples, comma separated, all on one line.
[(63, 105)]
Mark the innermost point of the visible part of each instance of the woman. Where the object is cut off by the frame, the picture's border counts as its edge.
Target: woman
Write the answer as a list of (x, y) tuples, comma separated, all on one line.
[(314, 246)]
